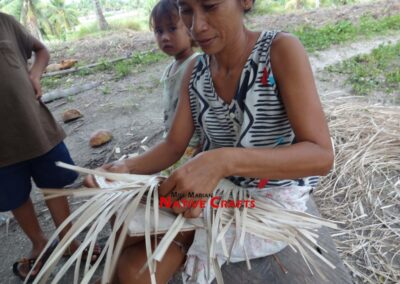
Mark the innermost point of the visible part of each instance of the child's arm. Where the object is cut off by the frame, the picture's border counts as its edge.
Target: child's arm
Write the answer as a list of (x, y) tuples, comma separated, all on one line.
[(41, 60), (167, 152)]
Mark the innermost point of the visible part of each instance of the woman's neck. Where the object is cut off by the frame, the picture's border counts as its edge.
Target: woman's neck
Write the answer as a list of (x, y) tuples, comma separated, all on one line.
[(236, 54)]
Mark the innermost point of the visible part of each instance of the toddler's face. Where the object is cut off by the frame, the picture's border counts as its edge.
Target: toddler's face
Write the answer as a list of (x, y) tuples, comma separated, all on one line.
[(172, 38)]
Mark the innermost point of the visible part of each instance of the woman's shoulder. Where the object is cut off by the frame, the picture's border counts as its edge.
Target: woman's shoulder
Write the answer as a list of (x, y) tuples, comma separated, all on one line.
[(284, 39), (285, 45), (277, 38)]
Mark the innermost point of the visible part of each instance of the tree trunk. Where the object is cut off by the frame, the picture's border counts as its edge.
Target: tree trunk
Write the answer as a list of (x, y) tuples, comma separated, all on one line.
[(24, 12), (29, 20), (103, 25), (62, 93), (298, 4)]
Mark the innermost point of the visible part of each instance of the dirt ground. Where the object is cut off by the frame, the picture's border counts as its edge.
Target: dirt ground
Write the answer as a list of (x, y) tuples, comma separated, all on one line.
[(131, 108)]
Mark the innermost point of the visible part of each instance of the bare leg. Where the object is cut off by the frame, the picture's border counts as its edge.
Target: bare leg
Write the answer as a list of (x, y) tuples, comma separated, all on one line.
[(128, 240), (134, 257), (59, 210), (26, 218)]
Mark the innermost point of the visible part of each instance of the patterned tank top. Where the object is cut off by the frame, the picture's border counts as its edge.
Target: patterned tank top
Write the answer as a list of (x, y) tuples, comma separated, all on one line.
[(256, 116)]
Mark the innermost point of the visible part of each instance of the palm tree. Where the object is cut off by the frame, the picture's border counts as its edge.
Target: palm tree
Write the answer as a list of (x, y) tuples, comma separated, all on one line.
[(60, 18), (103, 25), (27, 13), (29, 17), (43, 19)]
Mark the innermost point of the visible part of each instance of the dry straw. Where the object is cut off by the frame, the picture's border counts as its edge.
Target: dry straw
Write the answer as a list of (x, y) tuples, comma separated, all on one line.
[(133, 194), (363, 189)]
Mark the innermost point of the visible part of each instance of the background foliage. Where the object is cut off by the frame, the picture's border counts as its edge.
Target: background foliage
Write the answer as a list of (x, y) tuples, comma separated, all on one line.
[(68, 19)]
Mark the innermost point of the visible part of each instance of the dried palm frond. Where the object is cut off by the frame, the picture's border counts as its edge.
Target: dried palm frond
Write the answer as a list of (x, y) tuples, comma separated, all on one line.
[(134, 202), (363, 189)]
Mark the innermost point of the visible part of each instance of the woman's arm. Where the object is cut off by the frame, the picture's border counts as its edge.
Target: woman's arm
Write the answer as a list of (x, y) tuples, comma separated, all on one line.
[(168, 151), (311, 155), (172, 148)]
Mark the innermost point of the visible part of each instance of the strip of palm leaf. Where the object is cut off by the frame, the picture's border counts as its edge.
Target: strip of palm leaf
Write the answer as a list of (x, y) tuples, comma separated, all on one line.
[(268, 220)]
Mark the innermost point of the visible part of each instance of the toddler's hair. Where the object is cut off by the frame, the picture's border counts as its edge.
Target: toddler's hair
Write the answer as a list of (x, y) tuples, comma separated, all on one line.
[(164, 9)]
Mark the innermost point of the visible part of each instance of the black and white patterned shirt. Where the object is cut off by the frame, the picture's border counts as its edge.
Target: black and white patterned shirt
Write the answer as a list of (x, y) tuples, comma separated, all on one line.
[(256, 116)]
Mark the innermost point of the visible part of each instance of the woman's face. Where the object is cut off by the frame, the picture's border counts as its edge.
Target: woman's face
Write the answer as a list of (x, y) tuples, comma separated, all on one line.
[(213, 24)]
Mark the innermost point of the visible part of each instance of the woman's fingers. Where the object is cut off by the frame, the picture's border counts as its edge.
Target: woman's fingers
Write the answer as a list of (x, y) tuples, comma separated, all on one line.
[(166, 187), (90, 181), (114, 167), (179, 207), (193, 212), (190, 208)]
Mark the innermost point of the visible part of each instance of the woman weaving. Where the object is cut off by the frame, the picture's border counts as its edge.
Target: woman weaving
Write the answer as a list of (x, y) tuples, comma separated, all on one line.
[(253, 100)]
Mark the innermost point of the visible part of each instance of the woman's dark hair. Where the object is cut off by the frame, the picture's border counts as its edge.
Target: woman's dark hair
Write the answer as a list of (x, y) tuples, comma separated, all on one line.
[(162, 10)]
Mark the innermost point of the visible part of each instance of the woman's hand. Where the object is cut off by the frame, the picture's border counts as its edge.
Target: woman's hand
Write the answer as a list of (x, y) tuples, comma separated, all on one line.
[(114, 167), (198, 176)]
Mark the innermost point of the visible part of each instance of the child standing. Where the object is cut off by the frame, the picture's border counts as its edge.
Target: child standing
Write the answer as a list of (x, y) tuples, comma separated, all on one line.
[(31, 142), (173, 39)]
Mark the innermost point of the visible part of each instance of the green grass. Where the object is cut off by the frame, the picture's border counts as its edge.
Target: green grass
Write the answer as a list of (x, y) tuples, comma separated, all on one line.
[(103, 66), (121, 69), (92, 29), (344, 31), (106, 90), (83, 31), (377, 71), (49, 83), (263, 7), (124, 68), (132, 24)]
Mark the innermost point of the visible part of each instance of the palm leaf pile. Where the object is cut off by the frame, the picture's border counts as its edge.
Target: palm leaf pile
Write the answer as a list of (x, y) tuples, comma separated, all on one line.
[(363, 189), (130, 197)]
